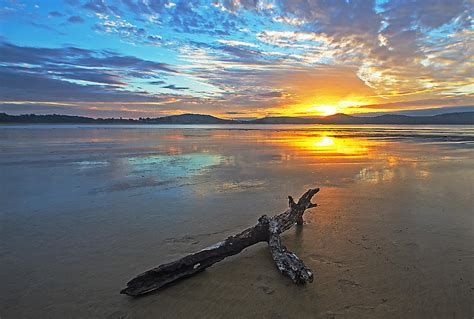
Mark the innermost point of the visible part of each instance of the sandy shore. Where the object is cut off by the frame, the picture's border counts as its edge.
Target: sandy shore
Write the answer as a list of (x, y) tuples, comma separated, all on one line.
[(84, 210)]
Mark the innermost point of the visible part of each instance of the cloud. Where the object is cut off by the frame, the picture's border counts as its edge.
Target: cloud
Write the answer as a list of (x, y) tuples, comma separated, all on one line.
[(101, 6), (38, 87), (387, 41), (73, 74), (253, 56), (154, 38), (183, 16), (73, 56), (75, 19), (418, 104), (55, 14), (159, 82), (424, 111), (173, 87), (110, 59), (271, 94), (234, 113), (402, 14)]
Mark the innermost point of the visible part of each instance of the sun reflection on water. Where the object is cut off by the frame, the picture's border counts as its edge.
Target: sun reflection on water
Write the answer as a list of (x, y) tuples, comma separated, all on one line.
[(324, 145), (325, 141)]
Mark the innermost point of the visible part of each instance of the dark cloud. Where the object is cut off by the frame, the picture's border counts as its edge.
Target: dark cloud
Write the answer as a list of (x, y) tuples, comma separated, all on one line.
[(235, 113), (120, 61), (241, 53), (271, 94), (174, 87), (229, 53), (17, 54), (77, 57), (159, 82), (140, 7), (336, 18), (101, 6), (448, 100), (404, 14), (72, 74), (16, 86), (428, 111), (198, 16), (75, 19), (55, 14), (154, 39)]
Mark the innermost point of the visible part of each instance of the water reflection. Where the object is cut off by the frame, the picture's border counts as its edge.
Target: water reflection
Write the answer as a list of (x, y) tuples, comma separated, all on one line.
[(225, 160), (322, 145), (87, 165), (216, 161), (165, 171), (174, 165), (324, 142)]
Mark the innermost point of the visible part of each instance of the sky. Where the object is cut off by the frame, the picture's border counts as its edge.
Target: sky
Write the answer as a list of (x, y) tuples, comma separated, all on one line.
[(236, 58)]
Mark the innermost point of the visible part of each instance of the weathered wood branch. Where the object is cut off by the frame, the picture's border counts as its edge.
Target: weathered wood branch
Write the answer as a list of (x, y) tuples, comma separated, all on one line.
[(267, 229), (287, 262)]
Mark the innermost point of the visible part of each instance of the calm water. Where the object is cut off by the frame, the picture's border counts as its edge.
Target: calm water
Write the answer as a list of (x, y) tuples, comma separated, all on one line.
[(85, 208)]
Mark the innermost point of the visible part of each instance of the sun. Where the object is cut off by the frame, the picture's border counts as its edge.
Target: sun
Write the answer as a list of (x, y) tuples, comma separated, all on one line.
[(325, 110)]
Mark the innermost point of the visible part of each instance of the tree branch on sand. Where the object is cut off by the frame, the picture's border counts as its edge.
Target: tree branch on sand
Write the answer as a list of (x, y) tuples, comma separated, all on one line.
[(267, 229)]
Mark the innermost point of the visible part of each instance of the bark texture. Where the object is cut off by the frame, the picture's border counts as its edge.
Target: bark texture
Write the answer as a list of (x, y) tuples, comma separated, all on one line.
[(267, 229)]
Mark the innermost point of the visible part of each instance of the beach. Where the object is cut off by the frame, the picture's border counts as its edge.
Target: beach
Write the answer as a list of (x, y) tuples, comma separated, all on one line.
[(85, 208)]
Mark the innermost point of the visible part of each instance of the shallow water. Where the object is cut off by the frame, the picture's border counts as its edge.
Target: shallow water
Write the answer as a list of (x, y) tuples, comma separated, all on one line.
[(84, 208)]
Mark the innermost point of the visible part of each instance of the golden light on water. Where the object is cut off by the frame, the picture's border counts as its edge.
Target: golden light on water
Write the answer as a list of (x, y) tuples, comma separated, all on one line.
[(328, 146), (323, 145), (325, 141)]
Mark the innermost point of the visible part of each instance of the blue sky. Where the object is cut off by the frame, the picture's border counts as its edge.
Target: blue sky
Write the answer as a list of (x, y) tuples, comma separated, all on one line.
[(233, 58)]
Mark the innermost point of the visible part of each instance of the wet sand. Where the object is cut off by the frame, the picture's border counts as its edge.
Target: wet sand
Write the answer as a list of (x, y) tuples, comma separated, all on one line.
[(83, 209)]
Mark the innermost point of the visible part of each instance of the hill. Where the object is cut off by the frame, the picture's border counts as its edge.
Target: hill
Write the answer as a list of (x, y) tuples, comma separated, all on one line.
[(187, 119), (465, 118)]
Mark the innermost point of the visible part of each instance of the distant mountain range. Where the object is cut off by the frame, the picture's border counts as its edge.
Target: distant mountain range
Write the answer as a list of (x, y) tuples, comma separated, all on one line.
[(465, 118)]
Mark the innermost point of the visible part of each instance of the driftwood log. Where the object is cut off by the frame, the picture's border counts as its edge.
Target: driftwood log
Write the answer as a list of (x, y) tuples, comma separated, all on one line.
[(267, 229)]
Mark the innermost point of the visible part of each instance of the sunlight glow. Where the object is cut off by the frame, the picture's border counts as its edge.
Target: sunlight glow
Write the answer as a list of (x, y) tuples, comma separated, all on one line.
[(328, 146), (331, 107), (324, 141), (322, 145), (324, 110)]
